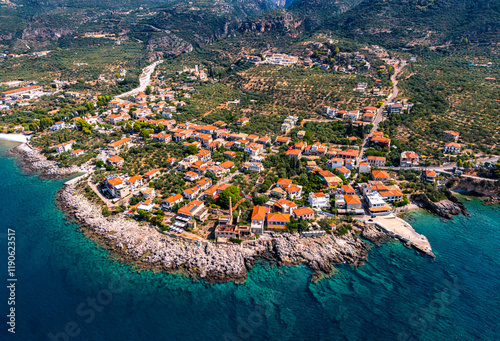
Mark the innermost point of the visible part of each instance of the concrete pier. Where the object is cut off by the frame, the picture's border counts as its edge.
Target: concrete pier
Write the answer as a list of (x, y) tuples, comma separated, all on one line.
[(400, 229)]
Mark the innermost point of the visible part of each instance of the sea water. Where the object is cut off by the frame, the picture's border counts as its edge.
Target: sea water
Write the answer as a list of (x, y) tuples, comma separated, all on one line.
[(69, 288)]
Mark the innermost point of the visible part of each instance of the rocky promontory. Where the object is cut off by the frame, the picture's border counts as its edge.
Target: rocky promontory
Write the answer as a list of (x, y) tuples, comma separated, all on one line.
[(447, 208), (477, 187), (33, 161), (146, 247), (373, 233)]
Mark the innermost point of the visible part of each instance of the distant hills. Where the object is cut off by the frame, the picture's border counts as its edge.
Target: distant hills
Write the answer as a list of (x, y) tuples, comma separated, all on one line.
[(403, 22), (397, 23), (42, 23)]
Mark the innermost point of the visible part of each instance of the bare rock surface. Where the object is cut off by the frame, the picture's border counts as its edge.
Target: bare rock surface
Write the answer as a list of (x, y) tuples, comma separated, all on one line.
[(448, 208), (146, 247), (33, 161)]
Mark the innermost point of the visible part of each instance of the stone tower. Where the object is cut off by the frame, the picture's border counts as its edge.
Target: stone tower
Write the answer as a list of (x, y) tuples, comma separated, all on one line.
[(230, 212)]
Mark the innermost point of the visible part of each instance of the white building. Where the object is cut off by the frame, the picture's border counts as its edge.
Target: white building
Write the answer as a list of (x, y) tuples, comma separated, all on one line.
[(171, 201), (116, 185), (376, 161), (329, 111), (376, 204), (281, 59), (64, 147), (254, 166), (364, 167), (374, 199), (319, 200), (353, 115), (58, 126), (335, 163), (451, 147)]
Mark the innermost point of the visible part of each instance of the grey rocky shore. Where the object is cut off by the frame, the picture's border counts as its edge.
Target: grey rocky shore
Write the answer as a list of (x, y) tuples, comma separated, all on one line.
[(146, 247), (448, 208), (33, 161)]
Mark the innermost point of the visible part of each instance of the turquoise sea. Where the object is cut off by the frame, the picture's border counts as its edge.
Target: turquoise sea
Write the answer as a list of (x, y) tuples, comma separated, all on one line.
[(69, 289)]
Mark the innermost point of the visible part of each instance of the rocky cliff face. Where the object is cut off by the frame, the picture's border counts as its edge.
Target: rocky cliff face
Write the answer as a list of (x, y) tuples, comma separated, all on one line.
[(445, 208), (280, 23), (478, 187), (167, 46)]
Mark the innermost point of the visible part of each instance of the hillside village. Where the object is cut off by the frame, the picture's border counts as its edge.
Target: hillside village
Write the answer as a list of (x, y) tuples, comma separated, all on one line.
[(210, 180)]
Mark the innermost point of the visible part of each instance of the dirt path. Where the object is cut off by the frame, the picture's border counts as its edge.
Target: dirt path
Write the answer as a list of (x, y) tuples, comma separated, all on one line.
[(208, 113), (238, 204), (314, 120)]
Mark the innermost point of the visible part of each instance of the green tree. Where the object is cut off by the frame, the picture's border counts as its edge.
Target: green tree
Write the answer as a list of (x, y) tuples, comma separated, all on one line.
[(105, 211), (308, 137), (145, 215), (192, 149), (145, 133), (84, 126), (231, 192), (128, 127), (260, 199), (46, 123)]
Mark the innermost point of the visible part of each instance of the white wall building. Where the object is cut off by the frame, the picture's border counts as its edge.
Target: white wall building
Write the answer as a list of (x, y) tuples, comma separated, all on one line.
[(319, 200)]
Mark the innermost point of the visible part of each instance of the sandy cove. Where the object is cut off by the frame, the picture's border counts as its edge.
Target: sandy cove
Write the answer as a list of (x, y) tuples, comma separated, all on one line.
[(14, 137), (146, 247), (33, 161)]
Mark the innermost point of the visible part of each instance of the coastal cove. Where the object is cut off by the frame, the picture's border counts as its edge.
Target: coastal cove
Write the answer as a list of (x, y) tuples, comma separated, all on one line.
[(396, 294), (146, 247)]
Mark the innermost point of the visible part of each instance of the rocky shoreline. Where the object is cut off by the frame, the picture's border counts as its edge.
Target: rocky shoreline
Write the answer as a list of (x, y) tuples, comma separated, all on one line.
[(448, 208), (479, 188), (33, 161), (147, 248)]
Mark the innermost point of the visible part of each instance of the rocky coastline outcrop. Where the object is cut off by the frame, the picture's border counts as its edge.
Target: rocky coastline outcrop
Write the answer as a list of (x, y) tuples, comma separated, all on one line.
[(33, 161), (148, 248), (476, 187), (446, 208), (373, 233)]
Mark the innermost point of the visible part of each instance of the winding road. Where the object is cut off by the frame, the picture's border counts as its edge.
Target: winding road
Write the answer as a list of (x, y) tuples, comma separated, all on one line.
[(144, 80), (379, 117), (447, 168)]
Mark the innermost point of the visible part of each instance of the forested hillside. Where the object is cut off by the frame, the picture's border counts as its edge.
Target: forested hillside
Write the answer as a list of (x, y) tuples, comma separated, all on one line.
[(28, 24), (398, 23)]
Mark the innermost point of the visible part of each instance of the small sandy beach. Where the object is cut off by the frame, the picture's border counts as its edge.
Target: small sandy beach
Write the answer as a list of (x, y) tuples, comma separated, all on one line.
[(14, 137)]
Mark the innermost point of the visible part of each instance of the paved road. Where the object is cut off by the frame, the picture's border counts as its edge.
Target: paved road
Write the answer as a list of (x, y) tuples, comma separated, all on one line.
[(379, 117), (448, 166), (229, 177)]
